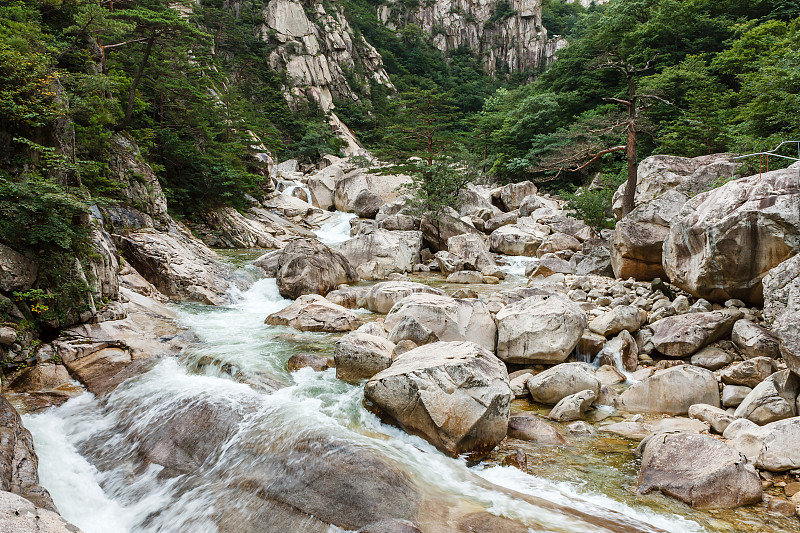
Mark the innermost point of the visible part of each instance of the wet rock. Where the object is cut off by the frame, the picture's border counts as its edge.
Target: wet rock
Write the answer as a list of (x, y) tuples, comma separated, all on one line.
[(396, 251), (683, 335), (18, 515), (269, 263), (712, 358), (448, 319), (390, 525), (620, 352), (381, 297), (772, 399), (749, 373), (528, 426), (734, 395), (622, 317), (698, 470), (755, 341), (367, 204), (608, 375), (309, 267), (782, 307), (40, 377), (671, 391), (177, 264), (456, 395), (717, 418), (318, 363), (518, 459), (723, 242), (312, 312), (539, 329), (628, 429), (558, 382), (19, 463), (590, 344), (361, 355), (579, 428), (573, 406)]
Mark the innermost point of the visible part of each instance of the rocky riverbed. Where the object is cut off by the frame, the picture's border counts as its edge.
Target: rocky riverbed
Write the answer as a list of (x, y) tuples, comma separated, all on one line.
[(483, 372)]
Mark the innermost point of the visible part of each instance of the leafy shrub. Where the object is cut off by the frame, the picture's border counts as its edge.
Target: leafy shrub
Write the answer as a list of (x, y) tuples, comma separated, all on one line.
[(594, 205)]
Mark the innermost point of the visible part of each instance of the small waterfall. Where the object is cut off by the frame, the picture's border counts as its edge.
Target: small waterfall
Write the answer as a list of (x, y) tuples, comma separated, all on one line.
[(337, 229)]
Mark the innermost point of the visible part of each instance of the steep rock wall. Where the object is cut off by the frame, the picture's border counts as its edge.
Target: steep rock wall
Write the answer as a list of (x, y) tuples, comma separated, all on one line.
[(508, 34), (319, 51)]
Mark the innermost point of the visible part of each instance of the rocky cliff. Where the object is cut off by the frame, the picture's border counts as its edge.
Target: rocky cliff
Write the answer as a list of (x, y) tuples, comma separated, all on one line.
[(507, 34)]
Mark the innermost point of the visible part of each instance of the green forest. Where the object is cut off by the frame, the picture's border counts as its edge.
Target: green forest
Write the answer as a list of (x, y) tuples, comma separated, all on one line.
[(192, 86)]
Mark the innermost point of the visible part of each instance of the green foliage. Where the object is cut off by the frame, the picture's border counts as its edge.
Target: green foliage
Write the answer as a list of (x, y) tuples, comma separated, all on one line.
[(437, 187), (593, 204), (42, 219), (729, 69)]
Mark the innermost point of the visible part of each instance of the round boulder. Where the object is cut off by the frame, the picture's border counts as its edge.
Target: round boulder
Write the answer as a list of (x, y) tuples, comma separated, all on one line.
[(455, 395), (539, 329)]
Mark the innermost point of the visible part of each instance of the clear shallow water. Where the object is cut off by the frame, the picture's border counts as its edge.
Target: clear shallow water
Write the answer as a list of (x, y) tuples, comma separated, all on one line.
[(92, 453)]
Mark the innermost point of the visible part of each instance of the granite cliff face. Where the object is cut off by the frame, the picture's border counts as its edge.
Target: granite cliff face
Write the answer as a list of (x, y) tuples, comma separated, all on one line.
[(319, 51), (507, 34)]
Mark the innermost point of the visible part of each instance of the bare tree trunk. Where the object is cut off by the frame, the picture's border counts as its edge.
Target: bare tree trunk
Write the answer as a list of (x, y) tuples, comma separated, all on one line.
[(630, 186)]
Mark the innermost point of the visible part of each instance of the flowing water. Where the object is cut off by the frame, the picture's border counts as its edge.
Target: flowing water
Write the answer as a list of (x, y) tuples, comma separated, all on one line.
[(229, 429)]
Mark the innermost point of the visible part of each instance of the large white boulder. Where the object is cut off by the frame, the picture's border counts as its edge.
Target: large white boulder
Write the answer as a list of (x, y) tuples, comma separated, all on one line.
[(698, 470), (307, 266), (771, 400), (389, 188), (723, 242), (396, 251), (448, 319), (558, 382), (771, 447), (381, 297), (361, 355), (658, 174), (539, 329), (312, 312), (518, 239), (455, 395), (671, 391), (782, 307), (683, 335)]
